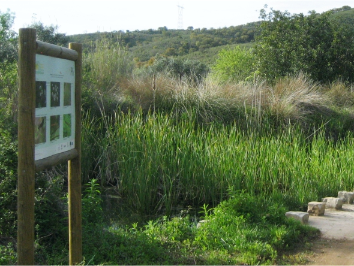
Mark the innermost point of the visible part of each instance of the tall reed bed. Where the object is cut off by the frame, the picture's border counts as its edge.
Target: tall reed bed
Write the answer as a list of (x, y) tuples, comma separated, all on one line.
[(158, 162)]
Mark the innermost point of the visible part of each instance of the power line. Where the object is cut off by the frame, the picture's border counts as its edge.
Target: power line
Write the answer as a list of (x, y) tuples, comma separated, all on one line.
[(180, 17)]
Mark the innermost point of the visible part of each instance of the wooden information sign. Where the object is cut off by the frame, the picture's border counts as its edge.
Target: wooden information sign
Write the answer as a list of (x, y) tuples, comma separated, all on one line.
[(49, 133)]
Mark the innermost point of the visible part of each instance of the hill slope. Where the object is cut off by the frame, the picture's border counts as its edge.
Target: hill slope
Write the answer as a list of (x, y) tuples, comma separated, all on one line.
[(201, 44)]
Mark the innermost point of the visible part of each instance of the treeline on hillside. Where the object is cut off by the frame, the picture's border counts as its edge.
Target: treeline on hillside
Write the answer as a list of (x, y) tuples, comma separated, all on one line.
[(147, 43)]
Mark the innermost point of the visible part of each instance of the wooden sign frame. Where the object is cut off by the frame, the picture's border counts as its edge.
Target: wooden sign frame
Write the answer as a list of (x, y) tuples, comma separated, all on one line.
[(27, 166)]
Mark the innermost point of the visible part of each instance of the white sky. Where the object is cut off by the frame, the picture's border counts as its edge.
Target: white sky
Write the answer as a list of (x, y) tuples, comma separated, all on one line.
[(86, 16)]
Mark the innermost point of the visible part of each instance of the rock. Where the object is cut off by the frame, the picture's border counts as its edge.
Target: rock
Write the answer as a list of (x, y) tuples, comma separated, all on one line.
[(316, 208), (347, 197), (303, 217), (333, 203)]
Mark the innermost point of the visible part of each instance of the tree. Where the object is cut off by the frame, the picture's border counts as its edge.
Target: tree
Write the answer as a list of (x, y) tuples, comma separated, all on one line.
[(8, 38), (317, 45), (50, 34), (8, 70)]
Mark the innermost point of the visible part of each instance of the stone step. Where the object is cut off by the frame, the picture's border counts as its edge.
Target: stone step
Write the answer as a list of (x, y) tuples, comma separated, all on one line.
[(316, 208), (333, 203), (347, 197), (303, 217)]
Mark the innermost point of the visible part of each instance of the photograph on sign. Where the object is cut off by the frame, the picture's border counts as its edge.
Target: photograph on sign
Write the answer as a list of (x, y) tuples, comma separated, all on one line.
[(67, 125), (41, 94), (55, 106), (67, 94), (54, 94), (40, 129)]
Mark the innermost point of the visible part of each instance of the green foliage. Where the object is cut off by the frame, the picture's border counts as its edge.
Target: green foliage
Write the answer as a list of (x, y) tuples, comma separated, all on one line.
[(8, 255), (51, 229), (235, 64), (50, 34), (188, 174), (176, 231), (104, 67), (116, 244), (8, 94), (190, 70), (315, 44), (146, 44), (344, 15), (8, 70), (210, 55), (8, 181), (247, 230), (8, 38), (105, 64), (121, 245), (92, 211)]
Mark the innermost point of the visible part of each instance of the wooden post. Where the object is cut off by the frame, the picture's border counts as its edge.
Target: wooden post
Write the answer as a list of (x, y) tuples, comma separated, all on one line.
[(74, 171), (26, 166)]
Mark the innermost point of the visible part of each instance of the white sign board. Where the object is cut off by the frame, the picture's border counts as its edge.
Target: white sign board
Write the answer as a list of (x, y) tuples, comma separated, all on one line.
[(55, 106)]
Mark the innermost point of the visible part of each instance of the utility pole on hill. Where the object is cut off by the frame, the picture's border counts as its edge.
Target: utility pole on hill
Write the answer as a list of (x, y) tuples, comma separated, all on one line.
[(180, 17)]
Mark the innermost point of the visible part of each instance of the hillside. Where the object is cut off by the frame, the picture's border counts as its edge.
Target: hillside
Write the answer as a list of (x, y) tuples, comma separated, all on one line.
[(192, 43), (201, 44)]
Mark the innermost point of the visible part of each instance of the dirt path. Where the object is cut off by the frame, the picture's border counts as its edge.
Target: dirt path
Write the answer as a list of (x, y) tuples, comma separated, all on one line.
[(336, 247), (332, 252)]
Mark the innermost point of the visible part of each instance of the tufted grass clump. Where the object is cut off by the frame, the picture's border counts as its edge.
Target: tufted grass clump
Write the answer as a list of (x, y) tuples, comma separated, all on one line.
[(157, 162)]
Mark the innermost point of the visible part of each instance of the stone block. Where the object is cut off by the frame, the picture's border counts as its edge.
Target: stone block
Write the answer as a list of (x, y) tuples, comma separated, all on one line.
[(303, 217), (347, 197), (333, 203), (316, 208)]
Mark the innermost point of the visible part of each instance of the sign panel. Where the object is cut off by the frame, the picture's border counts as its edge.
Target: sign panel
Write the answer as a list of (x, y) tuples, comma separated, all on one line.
[(55, 106)]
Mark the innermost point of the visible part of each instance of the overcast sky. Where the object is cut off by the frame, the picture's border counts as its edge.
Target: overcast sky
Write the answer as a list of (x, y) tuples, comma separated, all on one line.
[(86, 16)]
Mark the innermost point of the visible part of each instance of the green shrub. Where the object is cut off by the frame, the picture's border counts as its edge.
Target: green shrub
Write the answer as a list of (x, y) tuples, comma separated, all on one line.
[(238, 64), (92, 212), (8, 96), (255, 229), (8, 182), (316, 44), (8, 254), (192, 71)]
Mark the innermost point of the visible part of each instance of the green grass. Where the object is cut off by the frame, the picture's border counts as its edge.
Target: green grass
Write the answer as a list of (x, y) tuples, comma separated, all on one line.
[(240, 230), (157, 162)]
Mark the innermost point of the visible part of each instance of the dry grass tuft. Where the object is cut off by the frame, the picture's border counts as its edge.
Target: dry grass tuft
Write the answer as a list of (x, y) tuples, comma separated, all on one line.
[(340, 94), (290, 99)]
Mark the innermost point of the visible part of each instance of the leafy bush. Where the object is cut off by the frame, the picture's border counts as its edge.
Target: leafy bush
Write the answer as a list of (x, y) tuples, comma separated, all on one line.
[(8, 96), (254, 229), (315, 44), (235, 65), (8, 38), (8, 182), (192, 71), (8, 255)]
